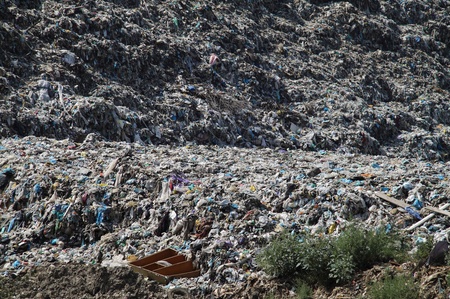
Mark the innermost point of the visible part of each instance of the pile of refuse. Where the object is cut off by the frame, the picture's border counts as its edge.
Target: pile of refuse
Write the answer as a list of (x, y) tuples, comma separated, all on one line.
[(349, 76), (100, 202), (209, 127)]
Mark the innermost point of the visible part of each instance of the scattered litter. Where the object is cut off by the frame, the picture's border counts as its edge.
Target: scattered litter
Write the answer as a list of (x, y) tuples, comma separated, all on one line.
[(206, 129)]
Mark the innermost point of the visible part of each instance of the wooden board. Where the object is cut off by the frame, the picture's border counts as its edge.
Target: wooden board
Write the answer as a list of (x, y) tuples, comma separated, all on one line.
[(164, 254), (392, 200), (404, 204), (440, 210), (176, 269), (436, 210), (419, 223)]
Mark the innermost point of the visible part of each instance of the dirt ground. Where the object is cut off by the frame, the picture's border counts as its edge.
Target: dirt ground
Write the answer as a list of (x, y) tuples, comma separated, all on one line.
[(79, 281), (92, 281)]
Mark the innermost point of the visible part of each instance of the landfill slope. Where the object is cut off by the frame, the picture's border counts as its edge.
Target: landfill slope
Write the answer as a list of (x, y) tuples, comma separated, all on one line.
[(349, 76), (210, 127), (104, 203)]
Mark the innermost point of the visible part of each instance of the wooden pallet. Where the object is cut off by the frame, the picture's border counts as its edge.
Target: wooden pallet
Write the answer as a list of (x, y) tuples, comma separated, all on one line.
[(165, 265)]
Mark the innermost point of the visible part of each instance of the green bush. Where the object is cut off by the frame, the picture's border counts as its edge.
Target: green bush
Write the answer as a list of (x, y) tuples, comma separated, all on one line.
[(397, 287), (329, 260), (314, 259), (368, 247), (341, 268), (281, 257), (303, 290), (423, 250)]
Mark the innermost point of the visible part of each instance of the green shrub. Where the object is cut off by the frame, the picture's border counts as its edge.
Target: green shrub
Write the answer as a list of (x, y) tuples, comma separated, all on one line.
[(329, 260), (341, 268), (314, 259), (423, 250), (368, 247), (281, 257), (303, 290), (397, 287)]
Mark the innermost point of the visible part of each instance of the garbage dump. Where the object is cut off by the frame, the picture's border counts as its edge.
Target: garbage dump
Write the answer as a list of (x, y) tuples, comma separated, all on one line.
[(209, 128), (230, 73), (104, 202)]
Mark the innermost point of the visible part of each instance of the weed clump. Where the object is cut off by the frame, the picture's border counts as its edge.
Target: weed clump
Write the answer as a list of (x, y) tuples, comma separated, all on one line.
[(281, 257), (423, 250), (398, 287), (329, 260), (303, 290)]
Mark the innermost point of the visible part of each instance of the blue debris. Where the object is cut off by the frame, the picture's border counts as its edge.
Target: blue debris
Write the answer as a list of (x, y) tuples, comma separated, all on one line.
[(417, 204), (11, 225), (413, 213), (101, 214)]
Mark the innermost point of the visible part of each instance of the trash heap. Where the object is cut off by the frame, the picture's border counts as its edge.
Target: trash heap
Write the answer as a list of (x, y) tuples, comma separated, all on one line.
[(348, 76), (104, 202), (209, 127)]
